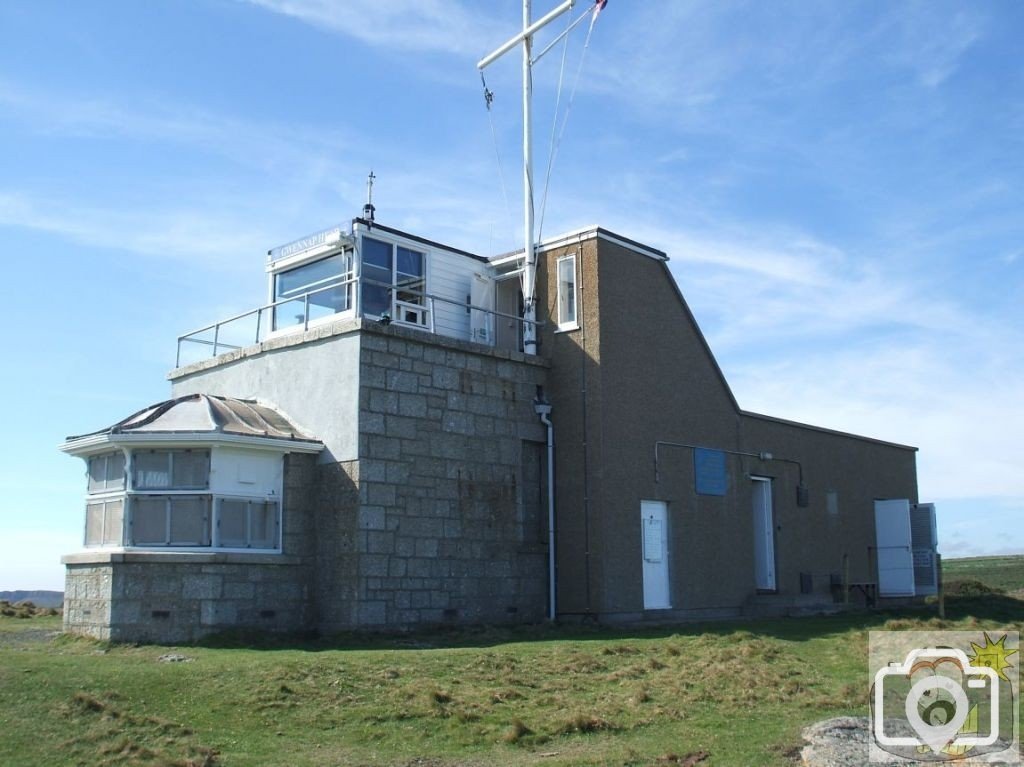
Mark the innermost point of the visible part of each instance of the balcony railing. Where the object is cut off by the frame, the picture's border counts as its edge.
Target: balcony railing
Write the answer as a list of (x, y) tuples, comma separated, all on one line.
[(338, 298)]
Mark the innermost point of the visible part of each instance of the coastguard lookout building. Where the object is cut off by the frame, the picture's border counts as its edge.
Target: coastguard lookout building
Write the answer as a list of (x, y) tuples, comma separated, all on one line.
[(371, 449)]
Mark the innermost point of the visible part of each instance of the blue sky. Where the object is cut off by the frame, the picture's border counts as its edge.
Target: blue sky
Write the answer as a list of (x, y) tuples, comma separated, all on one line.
[(839, 186)]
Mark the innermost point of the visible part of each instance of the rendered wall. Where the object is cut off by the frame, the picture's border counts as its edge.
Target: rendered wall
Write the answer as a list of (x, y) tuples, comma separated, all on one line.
[(309, 377)]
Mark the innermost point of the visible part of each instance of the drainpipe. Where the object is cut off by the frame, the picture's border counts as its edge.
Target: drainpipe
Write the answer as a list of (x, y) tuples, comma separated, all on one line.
[(543, 409)]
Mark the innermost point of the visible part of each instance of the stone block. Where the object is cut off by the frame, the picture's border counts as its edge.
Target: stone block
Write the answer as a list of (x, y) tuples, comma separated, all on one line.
[(412, 405), (371, 518), (420, 568), (383, 401), (426, 547), (371, 423), (400, 426), (445, 378), (217, 613), (380, 494), (378, 542), (402, 381), (372, 613), (239, 590), (374, 565), (201, 587), (373, 470), (397, 473)]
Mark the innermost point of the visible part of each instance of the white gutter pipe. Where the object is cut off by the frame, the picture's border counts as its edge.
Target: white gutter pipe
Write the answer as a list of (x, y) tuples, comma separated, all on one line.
[(543, 410)]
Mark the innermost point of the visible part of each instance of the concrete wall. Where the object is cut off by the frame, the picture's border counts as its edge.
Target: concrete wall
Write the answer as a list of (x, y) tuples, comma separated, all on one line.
[(309, 377)]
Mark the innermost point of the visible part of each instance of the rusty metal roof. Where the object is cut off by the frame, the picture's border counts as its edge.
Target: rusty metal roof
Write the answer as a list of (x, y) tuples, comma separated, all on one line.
[(205, 414)]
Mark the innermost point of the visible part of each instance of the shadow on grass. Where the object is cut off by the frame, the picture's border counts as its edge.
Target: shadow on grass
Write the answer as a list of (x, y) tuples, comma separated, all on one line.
[(971, 605)]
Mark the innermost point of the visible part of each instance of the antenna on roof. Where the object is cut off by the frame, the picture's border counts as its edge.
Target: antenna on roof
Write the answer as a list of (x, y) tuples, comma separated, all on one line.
[(525, 39), (368, 209)]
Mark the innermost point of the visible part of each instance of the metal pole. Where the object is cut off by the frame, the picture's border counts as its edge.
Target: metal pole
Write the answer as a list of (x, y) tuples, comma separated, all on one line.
[(530, 260)]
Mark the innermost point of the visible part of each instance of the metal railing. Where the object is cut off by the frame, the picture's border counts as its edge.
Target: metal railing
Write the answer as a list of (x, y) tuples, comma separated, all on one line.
[(250, 327)]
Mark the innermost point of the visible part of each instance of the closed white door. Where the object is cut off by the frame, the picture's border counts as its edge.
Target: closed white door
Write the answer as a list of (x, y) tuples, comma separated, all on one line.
[(764, 535), (893, 542), (654, 539)]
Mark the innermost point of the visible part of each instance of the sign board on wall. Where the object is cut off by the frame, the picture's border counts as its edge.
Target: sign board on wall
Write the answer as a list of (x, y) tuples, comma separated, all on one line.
[(709, 471)]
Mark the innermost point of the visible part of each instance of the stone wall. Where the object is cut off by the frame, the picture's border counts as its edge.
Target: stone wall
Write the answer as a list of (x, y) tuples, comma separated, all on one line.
[(442, 533)]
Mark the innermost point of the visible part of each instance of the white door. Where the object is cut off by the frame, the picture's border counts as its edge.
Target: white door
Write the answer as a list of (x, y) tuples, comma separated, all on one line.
[(892, 541), (654, 538), (764, 535)]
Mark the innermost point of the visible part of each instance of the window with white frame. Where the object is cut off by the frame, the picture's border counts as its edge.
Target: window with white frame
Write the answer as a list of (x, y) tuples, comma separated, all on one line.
[(566, 268), (170, 469), (247, 523), (171, 502), (104, 506), (164, 507), (106, 472), (393, 281), (104, 521), (313, 290)]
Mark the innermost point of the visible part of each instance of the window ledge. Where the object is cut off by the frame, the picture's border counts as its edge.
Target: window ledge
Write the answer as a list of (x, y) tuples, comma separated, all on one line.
[(101, 557), (567, 328)]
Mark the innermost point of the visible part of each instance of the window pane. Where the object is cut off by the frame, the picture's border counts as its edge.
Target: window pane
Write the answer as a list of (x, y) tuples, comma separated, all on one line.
[(376, 300), (191, 469), (410, 262), (189, 521), (328, 302), (263, 525), (115, 471), (308, 277), (106, 472), (149, 521), (152, 469), (377, 253), (567, 290), (94, 524), (113, 522), (232, 523), (97, 473)]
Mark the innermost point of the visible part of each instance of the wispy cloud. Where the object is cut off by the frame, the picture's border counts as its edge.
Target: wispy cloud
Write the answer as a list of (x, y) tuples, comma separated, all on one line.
[(436, 26), (212, 237), (932, 41), (260, 144)]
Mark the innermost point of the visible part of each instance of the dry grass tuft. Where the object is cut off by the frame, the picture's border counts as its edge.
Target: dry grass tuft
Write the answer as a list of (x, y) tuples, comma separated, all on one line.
[(583, 724), (516, 732), (440, 697)]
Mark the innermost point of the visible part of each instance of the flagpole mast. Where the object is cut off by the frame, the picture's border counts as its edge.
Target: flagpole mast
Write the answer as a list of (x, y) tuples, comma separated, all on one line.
[(529, 248), (530, 252)]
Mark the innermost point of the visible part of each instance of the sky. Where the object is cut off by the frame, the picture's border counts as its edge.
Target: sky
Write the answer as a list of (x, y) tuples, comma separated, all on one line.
[(839, 187)]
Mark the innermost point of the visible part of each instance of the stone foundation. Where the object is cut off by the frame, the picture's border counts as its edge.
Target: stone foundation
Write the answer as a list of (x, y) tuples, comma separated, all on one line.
[(173, 597)]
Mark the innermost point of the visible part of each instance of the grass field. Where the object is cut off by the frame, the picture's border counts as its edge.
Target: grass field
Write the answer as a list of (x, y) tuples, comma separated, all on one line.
[(738, 692), (1004, 573)]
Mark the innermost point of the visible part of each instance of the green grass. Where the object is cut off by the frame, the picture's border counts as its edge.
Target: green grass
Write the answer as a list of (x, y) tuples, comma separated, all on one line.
[(741, 692), (1003, 573)]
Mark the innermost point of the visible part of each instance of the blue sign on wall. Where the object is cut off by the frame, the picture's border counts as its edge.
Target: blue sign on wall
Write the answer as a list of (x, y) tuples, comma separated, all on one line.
[(709, 471)]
